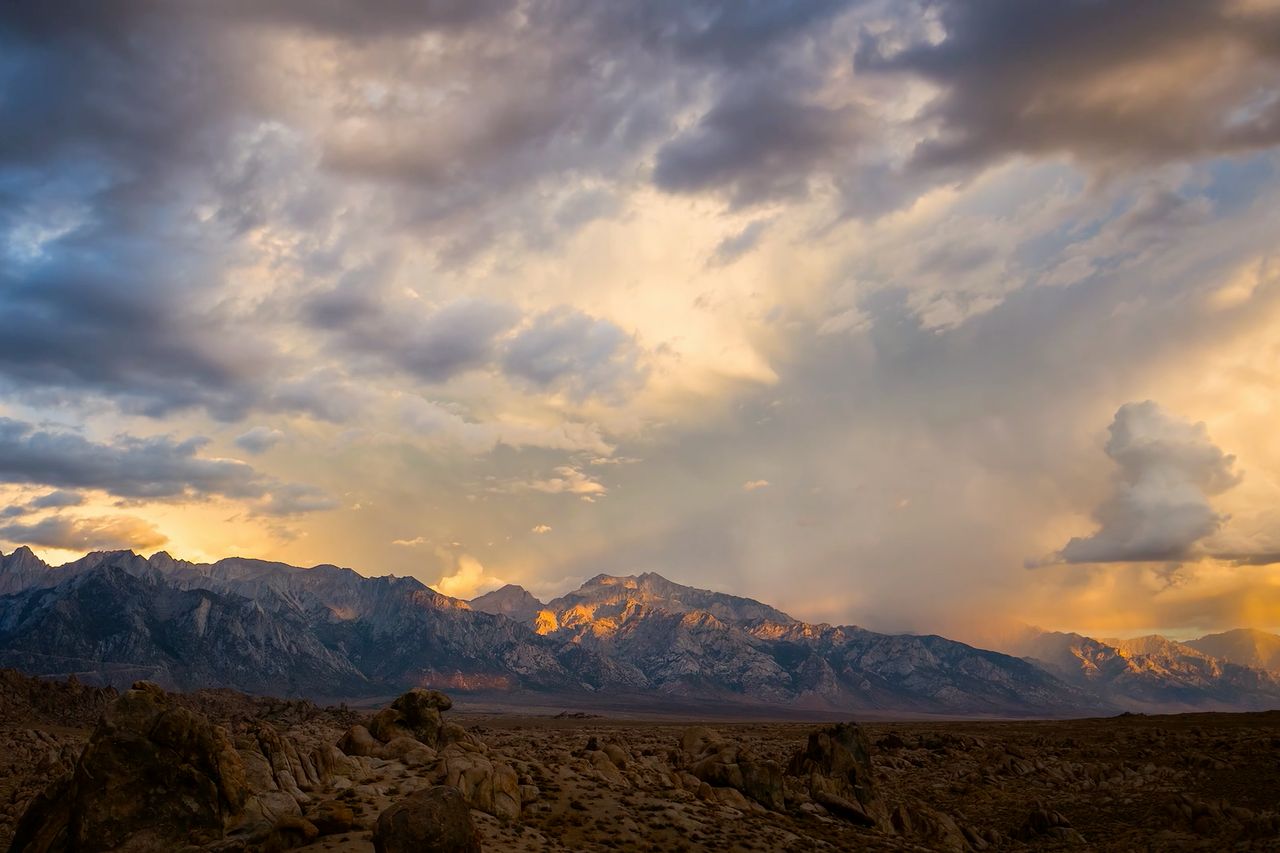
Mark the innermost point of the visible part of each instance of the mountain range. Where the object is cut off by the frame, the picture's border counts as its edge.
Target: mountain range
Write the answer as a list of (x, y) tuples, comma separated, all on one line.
[(636, 641)]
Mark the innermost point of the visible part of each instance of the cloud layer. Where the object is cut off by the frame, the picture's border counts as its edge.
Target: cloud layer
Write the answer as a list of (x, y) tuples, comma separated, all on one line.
[(824, 302)]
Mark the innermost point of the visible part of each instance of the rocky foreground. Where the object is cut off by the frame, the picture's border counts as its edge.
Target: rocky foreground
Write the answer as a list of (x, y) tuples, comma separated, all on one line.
[(85, 768)]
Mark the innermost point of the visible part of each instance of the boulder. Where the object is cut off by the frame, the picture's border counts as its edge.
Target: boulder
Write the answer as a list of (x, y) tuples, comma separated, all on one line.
[(358, 741), (836, 761), (419, 711), (290, 832), (154, 776), (331, 817), (263, 812), (387, 725), (617, 755), (1044, 822), (415, 715), (711, 759), (398, 748), (454, 733), (435, 819), (491, 787), (699, 740), (935, 830)]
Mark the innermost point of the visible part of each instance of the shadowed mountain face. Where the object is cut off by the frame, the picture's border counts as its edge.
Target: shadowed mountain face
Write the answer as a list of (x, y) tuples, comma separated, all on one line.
[(329, 632)]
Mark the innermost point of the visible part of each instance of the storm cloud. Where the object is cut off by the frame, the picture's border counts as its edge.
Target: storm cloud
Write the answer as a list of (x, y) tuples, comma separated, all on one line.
[(585, 355), (758, 144), (1160, 509), (433, 268), (138, 468)]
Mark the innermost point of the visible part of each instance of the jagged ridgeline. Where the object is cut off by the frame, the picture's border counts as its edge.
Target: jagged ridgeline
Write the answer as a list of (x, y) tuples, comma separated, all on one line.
[(330, 633)]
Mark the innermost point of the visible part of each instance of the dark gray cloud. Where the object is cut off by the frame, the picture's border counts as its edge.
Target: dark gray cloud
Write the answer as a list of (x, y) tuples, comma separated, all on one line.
[(457, 337), (737, 245), (99, 314), (85, 534), (585, 355), (133, 468), (562, 348), (433, 345), (758, 142), (57, 499), (114, 109), (148, 140), (1100, 79), (1160, 509), (129, 468)]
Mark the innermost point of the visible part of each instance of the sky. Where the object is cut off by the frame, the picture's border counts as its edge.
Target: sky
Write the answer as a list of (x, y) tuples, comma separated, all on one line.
[(923, 316)]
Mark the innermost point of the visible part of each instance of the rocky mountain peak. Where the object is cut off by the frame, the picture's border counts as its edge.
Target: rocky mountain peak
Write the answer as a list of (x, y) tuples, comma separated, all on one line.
[(22, 569), (610, 596), (23, 559), (513, 601), (261, 625), (1243, 646)]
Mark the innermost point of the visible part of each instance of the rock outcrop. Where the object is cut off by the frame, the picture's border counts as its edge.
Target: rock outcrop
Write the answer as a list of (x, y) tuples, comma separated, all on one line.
[(935, 830), (836, 762), (412, 730), (68, 703), (712, 759), (152, 777), (1044, 822), (488, 785), (415, 714), (437, 819)]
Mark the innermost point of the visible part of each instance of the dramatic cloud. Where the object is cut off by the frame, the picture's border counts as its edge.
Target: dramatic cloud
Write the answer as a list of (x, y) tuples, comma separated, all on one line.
[(85, 534), (150, 468), (57, 499), (1160, 509), (453, 271), (436, 347), (468, 580), (758, 144), (568, 349), (1152, 80), (106, 268)]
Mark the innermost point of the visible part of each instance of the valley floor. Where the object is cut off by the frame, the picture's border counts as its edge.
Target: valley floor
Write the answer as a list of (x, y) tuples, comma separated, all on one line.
[(1129, 783), (1177, 782)]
